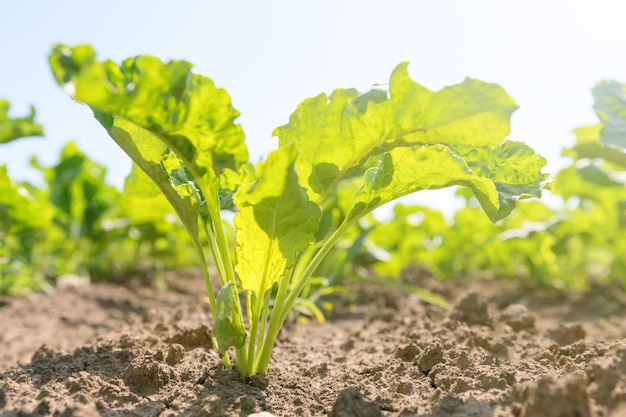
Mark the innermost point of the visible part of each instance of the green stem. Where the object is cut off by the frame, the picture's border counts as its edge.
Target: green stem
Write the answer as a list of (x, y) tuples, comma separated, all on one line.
[(218, 243), (225, 357), (217, 256), (224, 249), (304, 258), (263, 359), (285, 301), (265, 308), (209, 287), (207, 277), (219, 263), (221, 243), (221, 256), (253, 322), (257, 315)]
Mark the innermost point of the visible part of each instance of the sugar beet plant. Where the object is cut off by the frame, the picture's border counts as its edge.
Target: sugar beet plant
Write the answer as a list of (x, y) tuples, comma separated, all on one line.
[(22, 216), (385, 143)]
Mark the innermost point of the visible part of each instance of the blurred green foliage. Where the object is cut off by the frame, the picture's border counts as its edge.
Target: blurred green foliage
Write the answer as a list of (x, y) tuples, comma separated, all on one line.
[(78, 224), (580, 242)]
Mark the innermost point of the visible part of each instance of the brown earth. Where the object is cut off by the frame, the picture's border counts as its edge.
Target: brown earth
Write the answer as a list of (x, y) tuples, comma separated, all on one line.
[(501, 350)]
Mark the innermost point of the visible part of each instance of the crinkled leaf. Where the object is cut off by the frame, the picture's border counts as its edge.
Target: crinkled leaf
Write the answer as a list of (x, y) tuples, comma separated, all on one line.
[(497, 188), (230, 181), (275, 221), (336, 134), (228, 328), (184, 110), (510, 162), (514, 168), (15, 128), (610, 105), (406, 170)]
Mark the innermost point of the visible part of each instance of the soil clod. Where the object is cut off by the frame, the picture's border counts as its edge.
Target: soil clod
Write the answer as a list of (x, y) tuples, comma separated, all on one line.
[(145, 375), (175, 354), (350, 403)]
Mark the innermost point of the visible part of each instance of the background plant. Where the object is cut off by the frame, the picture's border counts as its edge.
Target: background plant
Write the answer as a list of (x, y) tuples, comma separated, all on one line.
[(22, 218), (570, 246), (78, 224)]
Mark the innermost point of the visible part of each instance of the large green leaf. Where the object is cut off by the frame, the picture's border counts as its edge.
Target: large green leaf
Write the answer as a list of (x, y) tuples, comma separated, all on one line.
[(336, 134), (405, 170), (15, 128), (183, 110), (275, 222)]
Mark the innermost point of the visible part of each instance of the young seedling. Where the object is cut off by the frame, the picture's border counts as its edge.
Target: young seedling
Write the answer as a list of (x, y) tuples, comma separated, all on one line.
[(385, 143)]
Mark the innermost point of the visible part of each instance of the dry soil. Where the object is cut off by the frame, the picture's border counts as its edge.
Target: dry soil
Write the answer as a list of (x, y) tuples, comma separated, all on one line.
[(502, 349)]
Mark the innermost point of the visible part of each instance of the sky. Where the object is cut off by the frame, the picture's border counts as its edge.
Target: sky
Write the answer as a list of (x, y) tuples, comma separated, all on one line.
[(271, 55)]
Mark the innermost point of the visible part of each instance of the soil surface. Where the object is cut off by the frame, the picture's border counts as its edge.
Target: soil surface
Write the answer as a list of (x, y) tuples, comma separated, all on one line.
[(501, 350)]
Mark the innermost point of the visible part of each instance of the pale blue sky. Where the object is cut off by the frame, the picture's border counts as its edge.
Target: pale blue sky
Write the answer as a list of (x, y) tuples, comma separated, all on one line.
[(270, 55)]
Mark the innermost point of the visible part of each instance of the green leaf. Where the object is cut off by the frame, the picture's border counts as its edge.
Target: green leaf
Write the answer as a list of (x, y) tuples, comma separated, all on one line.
[(5, 221), (183, 110), (15, 128), (335, 135), (570, 182), (78, 188), (151, 155), (25, 212), (407, 239), (593, 171), (610, 105), (588, 145), (275, 221), (229, 183), (142, 202), (406, 170), (513, 167), (228, 328)]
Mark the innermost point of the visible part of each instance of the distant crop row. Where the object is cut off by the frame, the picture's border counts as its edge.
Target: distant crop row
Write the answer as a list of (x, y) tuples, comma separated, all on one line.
[(79, 224)]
